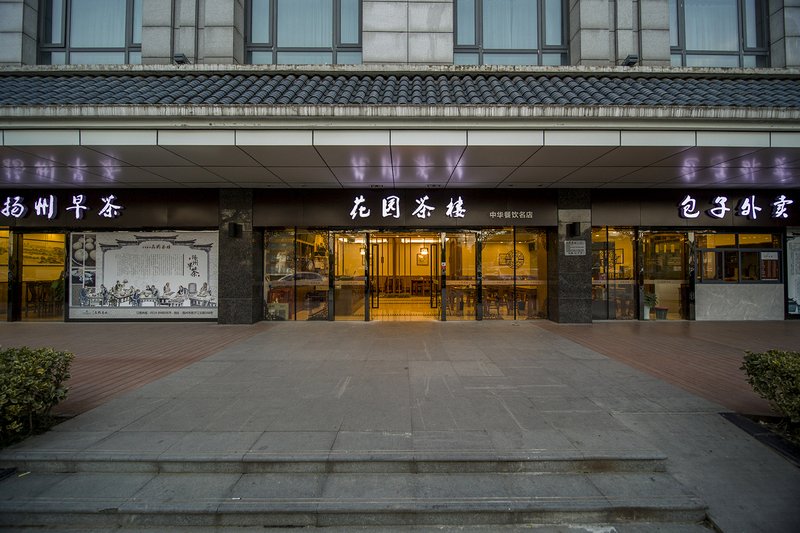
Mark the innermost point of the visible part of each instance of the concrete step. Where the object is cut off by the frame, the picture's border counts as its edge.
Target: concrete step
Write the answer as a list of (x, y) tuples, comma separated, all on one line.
[(106, 500), (362, 462)]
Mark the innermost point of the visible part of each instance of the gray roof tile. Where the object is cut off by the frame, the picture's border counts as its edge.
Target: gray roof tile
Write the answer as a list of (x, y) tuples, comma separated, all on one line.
[(369, 89)]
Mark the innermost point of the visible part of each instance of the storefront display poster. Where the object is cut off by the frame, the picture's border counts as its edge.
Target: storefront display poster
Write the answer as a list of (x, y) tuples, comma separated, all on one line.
[(143, 275)]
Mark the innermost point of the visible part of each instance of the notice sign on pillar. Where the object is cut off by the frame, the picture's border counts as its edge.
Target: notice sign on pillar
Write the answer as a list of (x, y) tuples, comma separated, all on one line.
[(575, 247)]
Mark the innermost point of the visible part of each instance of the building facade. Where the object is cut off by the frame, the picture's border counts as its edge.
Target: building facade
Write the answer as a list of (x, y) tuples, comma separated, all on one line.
[(256, 160)]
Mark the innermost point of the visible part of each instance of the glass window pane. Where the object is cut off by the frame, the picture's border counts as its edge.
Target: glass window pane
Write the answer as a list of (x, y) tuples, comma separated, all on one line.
[(510, 24), (350, 29), (53, 22), (673, 23), (465, 22), (259, 22), (722, 35), (348, 58), (717, 240), (712, 266), (461, 280), (311, 278), (465, 59), (553, 26), (510, 59), (750, 264), (53, 58), (675, 60), (305, 23), (305, 58), (731, 266), (696, 60), (279, 267), (531, 259), (136, 37), (97, 58), (97, 24), (261, 58), (135, 58), (554, 60), (759, 240), (753, 24), (758, 61)]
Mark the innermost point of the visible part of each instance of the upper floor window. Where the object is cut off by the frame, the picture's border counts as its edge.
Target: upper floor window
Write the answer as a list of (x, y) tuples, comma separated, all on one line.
[(317, 32), (719, 33), (510, 32), (90, 32)]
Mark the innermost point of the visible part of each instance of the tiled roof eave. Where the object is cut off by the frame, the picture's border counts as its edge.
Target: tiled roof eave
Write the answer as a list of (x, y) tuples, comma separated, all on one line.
[(389, 113)]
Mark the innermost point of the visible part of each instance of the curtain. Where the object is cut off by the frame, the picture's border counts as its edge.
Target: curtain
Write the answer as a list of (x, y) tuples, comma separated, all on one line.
[(712, 25), (305, 23), (98, 23), (510, 24)]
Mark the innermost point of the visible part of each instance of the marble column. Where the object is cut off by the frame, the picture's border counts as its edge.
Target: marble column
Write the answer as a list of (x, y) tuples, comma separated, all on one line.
[(570, 276), (241, 249)]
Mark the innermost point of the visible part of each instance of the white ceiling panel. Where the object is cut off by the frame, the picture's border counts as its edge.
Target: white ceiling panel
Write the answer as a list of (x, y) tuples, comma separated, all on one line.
[(274, 137), (357, 156), (285, 156), (485, 156), (532, 138), (632, 156), (419, 175), (582, 138), (146, 156), (563, 156), (426, 156), (352, 138), (185, 174), (182, 137), (488, 175), (705, 156), (658, 138), (211, 155), (73, 155), (119, 137), (244, 174), (539, 174), (304, 174), (364, 174), (429, 137)]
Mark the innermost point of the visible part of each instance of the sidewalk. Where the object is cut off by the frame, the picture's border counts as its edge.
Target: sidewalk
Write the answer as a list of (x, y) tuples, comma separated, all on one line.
[(324, 388)]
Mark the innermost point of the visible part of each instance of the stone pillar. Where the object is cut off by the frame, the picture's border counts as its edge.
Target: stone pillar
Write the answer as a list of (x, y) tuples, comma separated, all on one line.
[(402, 31), (241, 285), (784, 33), (206, 31), (589, 34), (18, 32), (570, 276), (654, 33)]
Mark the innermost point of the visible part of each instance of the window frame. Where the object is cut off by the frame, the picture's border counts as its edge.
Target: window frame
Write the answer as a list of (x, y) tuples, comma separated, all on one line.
[(680, 51), (45, 50), (337, 46), (739, 249), (542, 50)]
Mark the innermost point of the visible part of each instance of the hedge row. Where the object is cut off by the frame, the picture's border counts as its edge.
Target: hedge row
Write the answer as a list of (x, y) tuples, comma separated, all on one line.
[(775, 375), (31, 383)]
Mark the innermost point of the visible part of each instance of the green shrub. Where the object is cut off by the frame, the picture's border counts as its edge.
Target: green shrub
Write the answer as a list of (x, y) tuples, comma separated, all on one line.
[(775, 375), (31, 383)]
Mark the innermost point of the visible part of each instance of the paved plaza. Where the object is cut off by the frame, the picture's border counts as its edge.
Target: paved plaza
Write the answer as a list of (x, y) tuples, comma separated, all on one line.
[(340, 391)]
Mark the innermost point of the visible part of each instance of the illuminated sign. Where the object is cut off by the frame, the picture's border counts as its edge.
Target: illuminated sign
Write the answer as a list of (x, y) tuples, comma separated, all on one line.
[(390, 208), (747, 207), (47, 207)]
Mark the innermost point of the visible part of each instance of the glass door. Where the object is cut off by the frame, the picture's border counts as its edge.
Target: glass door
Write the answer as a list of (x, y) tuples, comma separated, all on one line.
[(43, 261), (613, 280), (665, 274), (461, 290), (5, 248), (404, 278), (349, 287)]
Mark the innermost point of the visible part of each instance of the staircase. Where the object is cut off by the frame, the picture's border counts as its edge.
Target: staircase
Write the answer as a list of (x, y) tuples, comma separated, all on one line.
[(386, 490)]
